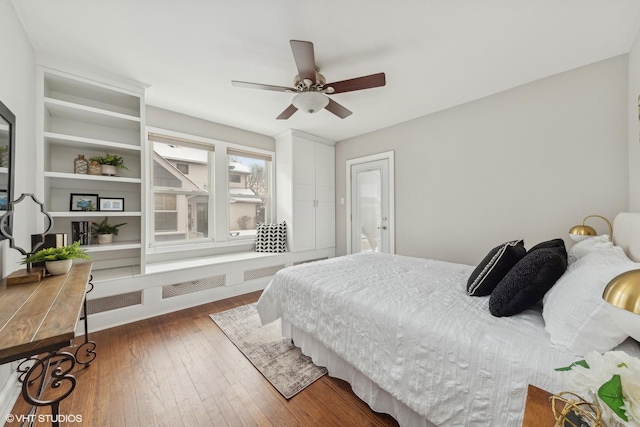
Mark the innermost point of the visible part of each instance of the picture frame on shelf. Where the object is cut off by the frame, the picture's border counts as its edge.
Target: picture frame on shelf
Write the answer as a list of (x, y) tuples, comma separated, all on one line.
[(83, 202), (111, 204)]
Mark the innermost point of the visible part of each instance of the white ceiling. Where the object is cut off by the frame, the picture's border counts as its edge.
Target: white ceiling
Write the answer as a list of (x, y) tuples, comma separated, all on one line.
[(435, 53)]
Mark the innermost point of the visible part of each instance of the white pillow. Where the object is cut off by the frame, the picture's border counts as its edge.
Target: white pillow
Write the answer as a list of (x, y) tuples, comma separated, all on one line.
[(574, 312), (587, 246)]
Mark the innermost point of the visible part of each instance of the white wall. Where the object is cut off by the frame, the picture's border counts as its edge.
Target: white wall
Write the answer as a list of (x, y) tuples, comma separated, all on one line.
[(171, 120), (527, 163), (17, 92), (634, 126)]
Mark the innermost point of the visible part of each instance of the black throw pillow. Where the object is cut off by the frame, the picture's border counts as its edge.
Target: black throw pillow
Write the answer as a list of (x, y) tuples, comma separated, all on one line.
[(527, 282), (494, 266), (555, 243)]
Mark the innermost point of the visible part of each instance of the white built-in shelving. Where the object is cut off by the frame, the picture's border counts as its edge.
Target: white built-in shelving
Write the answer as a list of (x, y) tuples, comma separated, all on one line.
[(92, 118)]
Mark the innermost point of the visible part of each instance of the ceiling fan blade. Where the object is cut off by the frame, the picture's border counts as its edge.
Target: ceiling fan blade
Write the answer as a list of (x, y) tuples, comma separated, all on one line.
[(359, 83), (305, 59), (263, 87), (287, 113), (338, 109)]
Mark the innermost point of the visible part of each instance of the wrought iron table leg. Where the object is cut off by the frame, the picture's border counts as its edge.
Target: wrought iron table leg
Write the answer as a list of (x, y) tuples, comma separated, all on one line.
[(50, 373), (87, 346)]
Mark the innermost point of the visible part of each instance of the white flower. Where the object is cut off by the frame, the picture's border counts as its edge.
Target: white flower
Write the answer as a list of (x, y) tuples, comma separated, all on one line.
[(631, 394), (586, 382)]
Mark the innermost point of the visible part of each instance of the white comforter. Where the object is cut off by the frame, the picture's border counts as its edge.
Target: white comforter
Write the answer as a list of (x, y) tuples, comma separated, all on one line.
[(408, 325)]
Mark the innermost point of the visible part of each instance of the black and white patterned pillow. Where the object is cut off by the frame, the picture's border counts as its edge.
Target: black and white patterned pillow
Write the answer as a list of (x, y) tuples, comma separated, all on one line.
[(271, 237), (494, 267)]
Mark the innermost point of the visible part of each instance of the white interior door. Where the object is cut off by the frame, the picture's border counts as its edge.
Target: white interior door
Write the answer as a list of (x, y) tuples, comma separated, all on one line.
[(371, 209)]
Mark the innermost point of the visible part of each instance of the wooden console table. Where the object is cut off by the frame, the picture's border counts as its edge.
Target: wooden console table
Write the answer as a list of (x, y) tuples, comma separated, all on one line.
[(37, 321)]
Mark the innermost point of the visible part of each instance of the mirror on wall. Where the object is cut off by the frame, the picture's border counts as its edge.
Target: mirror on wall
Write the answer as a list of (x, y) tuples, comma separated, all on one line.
[(7, 160)]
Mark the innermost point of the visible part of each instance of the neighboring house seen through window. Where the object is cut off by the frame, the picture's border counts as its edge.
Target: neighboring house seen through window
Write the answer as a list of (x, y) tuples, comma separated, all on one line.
[(248, 192), (188, 192), (181, 200)]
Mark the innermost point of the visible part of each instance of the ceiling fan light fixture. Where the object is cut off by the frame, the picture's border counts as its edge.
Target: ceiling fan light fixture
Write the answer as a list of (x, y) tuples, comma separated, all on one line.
[(310, 102)]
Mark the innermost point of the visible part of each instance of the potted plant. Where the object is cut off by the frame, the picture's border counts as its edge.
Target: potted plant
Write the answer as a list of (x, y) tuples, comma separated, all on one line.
[(109, 163), (105, 231), (57, 260)]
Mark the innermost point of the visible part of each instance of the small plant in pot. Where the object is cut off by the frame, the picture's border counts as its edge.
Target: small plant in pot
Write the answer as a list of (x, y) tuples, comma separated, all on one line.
[(109, 163), (57, 260), (105, 231)]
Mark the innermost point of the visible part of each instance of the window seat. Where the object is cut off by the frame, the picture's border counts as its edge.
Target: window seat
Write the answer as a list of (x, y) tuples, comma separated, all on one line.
[(173, 285), (162, 267)]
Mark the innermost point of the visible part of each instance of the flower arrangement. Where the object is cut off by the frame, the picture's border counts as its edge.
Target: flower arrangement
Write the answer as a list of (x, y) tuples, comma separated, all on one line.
[(612, 381), (73, 251)]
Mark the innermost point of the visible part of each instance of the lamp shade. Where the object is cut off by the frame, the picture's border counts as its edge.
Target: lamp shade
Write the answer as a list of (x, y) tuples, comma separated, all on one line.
[(581, 232), (623, 297), (310, 102)]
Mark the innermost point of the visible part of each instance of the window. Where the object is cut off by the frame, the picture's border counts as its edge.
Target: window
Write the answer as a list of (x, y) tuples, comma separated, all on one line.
[(183, 167), (181, 203), (166, 213), (248, 191), (196, 179)]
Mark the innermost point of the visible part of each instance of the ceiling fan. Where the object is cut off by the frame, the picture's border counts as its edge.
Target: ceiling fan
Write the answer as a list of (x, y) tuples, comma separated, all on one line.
[(311, 88)]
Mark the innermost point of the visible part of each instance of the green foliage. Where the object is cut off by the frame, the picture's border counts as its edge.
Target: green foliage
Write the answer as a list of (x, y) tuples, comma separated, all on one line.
[(110, 159), (105, 228), (582, 363), (73, 251), (611, 394)]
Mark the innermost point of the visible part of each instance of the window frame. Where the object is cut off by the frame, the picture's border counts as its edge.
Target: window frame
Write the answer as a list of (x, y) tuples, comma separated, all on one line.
[(269, 205), (219, 229)]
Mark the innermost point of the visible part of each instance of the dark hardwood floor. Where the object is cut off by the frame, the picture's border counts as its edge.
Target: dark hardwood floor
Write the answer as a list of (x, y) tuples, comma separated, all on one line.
[(179, 369)]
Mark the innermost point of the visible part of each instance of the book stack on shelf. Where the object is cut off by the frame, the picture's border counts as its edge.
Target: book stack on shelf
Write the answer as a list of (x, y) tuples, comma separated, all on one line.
[(81, 231)]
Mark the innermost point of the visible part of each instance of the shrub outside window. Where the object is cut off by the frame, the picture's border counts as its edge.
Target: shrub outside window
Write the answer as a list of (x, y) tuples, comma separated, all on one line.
[(249, 189)]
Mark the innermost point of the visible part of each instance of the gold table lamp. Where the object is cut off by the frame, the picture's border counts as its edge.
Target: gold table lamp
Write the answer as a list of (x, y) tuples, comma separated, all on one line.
[(623, 297), (581, 232)]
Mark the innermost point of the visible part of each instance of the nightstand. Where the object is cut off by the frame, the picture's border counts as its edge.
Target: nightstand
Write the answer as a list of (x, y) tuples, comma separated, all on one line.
[(537, 409)]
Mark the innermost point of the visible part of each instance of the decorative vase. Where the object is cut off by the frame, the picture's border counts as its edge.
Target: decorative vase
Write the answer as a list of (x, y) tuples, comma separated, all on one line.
[(105, 238), (56, 268), (108, 170), (80, 165), (95, 168)]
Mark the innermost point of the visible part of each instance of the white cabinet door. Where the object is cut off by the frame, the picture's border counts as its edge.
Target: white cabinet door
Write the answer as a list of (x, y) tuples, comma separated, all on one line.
[(305, 180), (325, 196), (304, 215)]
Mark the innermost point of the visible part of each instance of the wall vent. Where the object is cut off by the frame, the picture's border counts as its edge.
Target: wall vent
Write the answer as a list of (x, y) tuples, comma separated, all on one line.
[(261, 272), (100, 305), (193, 286)]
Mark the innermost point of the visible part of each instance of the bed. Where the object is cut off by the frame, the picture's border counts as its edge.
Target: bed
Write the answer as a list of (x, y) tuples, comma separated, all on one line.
[(411, 342)]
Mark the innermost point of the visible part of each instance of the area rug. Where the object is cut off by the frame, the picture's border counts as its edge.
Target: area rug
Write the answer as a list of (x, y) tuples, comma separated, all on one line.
[(282, 363)]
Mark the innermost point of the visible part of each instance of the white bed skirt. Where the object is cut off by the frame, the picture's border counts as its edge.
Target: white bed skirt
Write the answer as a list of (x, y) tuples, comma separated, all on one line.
[(378, 399)]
